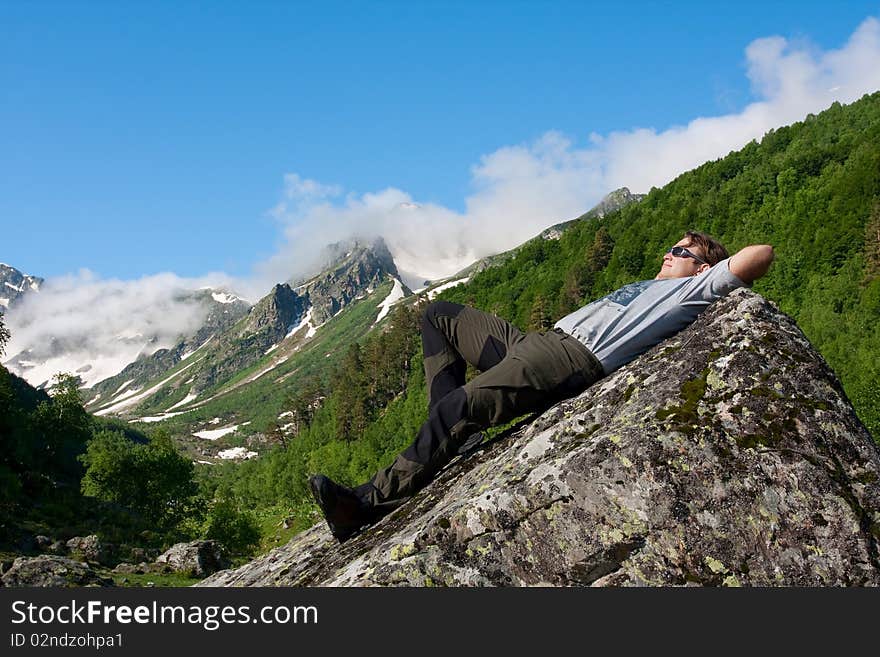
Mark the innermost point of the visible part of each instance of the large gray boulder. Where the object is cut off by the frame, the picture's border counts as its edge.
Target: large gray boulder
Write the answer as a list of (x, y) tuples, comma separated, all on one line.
[(197, 558), (52, 571), (727, 455), (90, 548)]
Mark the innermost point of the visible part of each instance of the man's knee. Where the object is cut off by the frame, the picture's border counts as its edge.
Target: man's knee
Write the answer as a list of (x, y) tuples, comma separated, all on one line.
[(434, 336), (439, 309)]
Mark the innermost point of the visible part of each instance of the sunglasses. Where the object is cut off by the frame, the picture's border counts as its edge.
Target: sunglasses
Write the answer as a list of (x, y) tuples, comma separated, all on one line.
[(681, 252)]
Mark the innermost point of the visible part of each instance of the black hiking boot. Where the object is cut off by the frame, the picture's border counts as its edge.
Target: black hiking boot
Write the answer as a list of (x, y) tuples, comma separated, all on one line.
[(345, 512)]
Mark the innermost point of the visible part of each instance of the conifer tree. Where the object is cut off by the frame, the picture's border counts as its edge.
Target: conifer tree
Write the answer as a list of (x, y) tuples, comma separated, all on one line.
[(4, 335), (582, 273), (872, 242), (539, 318)]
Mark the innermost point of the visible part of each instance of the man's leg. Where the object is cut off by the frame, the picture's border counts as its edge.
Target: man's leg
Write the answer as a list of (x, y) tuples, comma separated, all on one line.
[(539, 370), (454, 335)]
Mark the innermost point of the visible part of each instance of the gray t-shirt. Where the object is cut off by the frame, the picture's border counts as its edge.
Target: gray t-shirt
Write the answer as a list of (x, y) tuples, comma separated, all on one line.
[(631, 320)]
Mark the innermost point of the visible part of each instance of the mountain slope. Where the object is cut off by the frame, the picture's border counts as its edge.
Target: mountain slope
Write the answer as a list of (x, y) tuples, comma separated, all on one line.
[(230, 391), (610, 203)]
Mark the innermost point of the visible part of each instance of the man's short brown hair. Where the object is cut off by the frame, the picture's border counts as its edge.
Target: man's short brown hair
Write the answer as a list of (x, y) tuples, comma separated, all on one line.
[(712, 249)]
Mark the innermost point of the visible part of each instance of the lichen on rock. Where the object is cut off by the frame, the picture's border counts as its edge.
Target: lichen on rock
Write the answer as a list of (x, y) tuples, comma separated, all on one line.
[(51, 571)]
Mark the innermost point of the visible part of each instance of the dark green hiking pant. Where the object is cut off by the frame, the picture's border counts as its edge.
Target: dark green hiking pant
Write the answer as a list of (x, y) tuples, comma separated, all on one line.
[(521, 373)]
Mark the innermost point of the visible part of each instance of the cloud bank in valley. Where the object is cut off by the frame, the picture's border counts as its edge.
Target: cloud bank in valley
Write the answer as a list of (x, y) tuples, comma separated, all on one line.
[(92, 327), (517, 191), (520, 190)]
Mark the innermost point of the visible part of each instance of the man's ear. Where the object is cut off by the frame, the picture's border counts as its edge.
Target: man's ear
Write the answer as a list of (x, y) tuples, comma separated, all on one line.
[(702, 268)]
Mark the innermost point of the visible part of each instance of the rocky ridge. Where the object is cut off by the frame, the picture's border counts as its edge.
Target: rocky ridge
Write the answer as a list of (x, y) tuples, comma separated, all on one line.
[(611, 202), (362, 267), (14, 285), (727, 455)]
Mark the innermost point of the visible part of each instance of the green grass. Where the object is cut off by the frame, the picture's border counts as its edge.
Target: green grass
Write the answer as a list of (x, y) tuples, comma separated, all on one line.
[(272, 521), (150, 579)]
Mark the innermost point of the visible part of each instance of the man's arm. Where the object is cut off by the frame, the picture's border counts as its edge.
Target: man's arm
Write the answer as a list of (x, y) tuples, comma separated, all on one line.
[(752, 262)]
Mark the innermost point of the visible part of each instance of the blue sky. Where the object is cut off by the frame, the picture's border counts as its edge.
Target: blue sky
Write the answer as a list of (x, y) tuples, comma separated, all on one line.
[(137, 138)]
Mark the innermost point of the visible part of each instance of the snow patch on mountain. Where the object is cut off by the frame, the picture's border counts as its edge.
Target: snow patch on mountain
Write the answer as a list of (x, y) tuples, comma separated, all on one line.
[(225, 297), (306, 320), (190, 353), (395, 295), (214, 434), (158, 418), (183, 402), (266, 370), (124, 395), (123, 387), (236, 453), (313, 329), (131, 401), (437, 290)]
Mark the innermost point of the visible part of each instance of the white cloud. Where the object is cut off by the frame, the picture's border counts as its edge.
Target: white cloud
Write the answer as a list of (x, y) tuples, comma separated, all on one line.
[(302, 193), (791, 80), (519, 190), (84, 321)]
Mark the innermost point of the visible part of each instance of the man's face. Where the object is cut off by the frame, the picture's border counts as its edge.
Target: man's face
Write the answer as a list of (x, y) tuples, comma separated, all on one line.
[(683, 266)]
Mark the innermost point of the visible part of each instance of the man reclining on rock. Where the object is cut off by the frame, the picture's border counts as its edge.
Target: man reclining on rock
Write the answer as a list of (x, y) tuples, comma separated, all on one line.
[(525, 372)]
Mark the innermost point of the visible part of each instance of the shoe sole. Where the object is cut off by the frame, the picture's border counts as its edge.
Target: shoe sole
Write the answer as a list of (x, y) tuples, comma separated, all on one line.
[(339, 535)]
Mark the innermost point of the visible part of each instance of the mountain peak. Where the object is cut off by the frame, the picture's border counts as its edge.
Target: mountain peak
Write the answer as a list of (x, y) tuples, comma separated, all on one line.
[(610, 203), (614, 201), (14, 285), (354, 267), (356, 248)]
